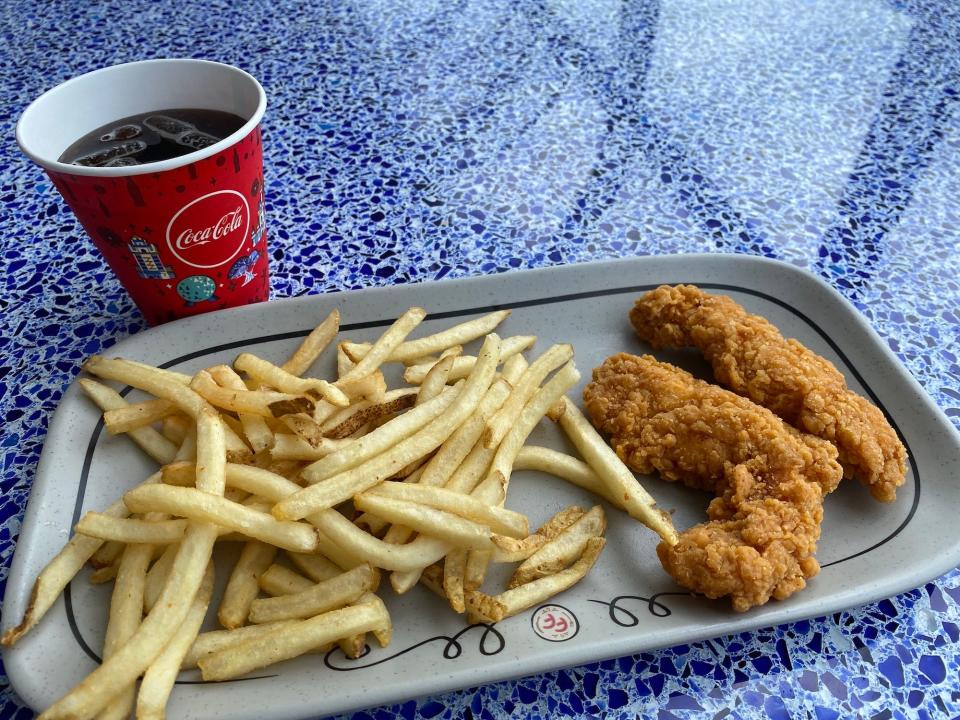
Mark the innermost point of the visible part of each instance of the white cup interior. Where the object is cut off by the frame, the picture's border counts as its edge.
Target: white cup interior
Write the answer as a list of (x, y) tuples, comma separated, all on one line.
[(63, 115)]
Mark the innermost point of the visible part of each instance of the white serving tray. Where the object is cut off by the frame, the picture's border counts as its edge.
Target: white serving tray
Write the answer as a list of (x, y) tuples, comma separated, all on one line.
[(626, 604)]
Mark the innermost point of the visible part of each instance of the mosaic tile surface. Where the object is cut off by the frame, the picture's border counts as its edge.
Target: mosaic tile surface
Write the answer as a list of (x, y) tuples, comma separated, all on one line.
[(415, 141)]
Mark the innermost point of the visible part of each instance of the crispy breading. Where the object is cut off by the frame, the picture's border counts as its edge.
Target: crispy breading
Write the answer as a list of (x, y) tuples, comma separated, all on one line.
[(769, 479), (752, 358)]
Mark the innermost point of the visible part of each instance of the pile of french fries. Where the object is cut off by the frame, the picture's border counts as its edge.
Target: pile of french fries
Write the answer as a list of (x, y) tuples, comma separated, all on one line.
[(345, 479)]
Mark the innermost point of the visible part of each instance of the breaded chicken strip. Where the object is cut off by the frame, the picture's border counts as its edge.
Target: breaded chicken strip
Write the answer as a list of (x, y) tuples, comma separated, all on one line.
[(752, 358), (770, 480)]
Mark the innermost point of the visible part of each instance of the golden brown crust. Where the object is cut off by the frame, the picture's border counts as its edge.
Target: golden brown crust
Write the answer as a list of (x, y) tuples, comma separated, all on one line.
[(752, 358), (769, 479)]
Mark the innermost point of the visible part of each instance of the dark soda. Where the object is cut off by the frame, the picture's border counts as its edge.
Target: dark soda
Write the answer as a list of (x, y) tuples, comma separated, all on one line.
[(151, 137)]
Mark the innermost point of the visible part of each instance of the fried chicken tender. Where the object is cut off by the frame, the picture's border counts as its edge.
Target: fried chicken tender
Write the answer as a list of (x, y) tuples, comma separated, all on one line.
[(752, 358), (770, 480)]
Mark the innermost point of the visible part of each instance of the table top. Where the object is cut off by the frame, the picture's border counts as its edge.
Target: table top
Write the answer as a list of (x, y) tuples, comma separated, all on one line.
[(419, 141)]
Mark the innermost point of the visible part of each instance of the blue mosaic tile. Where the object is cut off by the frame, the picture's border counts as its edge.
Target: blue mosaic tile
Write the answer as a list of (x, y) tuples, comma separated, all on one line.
[(411, 142)]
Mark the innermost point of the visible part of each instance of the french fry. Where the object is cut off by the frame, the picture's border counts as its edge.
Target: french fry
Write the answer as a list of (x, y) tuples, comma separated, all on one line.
[(525, 389), (413, 468), (556, 410), (215, 640), (472, 470), (266, 373), (289, 469), (150, 441), (291, 447), (296, 405), (341, 535), (136, 415), (430, 360), (346, 422), (254, 402), (498, 519), (514, 601), (435, 380), (128, 530), (171, 608), (61, 570), (279, 580), (237, 449), (126, 611), (257, 433), (123, 667), (232, 470), (157, 577), (476, 568), (293, 640), (616, 476), (463, 365), (160, 676), (322, 597), (361, 477), (385, 344), (412, 556), (255, 427), (446, 526), (474, 615), (306, 428), (513, 368), (160, 383), (432, 579), (533, 411), (438, 342), (344, 362), (491, 491), (313, 345), (182, 473), (380, 440), (562, 550), (175, 427), (169, 375), (106, 574), (454, 569), (372, 386), (343, 556), (211, 454), (188, 448), (403, 581), (513, 550), (318, 569), (314, 566), (566, 467), (453, 452), (196, 505), (108, 554), (495, 486), (244, 583)]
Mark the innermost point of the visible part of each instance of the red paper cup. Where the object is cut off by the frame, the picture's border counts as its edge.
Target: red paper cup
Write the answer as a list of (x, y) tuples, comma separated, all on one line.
[(185, 235)]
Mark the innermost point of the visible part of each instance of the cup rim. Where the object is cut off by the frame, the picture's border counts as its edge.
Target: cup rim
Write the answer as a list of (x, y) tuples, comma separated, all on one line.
[(154, 167)]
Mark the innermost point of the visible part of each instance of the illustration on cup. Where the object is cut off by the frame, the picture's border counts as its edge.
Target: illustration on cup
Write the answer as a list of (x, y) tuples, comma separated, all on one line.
[(197, 289), (256, 235), (149, 264), (243, 268)]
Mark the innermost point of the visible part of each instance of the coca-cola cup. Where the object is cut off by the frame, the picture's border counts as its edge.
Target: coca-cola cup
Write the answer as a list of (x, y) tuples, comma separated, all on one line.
[(185, 235)]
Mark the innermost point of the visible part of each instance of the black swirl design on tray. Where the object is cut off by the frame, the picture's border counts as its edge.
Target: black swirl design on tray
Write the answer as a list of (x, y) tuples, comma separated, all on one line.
[(654, 607), (490, 642)]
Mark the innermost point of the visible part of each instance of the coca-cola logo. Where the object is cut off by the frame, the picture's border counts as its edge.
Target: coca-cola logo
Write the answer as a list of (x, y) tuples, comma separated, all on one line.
[(209, 231)]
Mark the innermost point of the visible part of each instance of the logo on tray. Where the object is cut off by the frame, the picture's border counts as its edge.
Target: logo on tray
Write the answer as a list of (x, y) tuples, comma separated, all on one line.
[(209, 231), (554, 623)]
